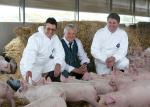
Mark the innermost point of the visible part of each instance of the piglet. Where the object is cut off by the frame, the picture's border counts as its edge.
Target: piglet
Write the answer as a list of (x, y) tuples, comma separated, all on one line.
[(6, 93), (134, 95)]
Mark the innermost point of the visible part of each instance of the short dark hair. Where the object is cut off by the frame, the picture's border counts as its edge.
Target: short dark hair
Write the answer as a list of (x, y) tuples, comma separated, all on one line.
[(114, 16), (51, 20)]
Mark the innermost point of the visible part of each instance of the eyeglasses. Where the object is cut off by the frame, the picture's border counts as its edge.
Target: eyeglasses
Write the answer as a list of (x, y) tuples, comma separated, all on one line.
[(50, 29)]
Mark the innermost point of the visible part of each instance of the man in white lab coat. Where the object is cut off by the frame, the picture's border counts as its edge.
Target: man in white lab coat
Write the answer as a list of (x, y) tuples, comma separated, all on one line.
[(44, 53), (109, 46), (77, 62)]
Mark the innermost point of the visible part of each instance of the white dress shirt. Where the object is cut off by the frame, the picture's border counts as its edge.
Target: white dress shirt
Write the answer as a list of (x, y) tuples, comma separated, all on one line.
[(81, 54), (41, 54)]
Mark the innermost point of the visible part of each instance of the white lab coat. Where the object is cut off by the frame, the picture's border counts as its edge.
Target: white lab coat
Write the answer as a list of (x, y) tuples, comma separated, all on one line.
[(106, 44), (37, 56), (81, 54)]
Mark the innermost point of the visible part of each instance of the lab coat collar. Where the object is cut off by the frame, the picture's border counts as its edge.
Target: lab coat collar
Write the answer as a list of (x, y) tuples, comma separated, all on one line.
[(41, 30), (106, 28)]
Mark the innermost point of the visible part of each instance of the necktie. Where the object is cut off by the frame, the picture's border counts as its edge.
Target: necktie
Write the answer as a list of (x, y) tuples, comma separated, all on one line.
[(70, 44)]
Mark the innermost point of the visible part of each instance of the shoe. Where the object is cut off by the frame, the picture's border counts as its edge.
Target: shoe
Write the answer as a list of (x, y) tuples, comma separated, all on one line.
[(65, 74), (14, 84), (121, 70), (52, 77)]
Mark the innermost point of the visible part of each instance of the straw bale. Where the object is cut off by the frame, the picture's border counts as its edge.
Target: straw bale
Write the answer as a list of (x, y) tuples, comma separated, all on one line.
[(14, 50), (145, 41), (22, 32), (133, 39), (144, 34), (139, 35), (19, 102), (143, 28), (5, 77), (34, 27)]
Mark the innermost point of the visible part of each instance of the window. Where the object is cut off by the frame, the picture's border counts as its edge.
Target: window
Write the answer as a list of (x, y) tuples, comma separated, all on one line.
[(40, 15), (9, 13), (86, 16), (141, 19)]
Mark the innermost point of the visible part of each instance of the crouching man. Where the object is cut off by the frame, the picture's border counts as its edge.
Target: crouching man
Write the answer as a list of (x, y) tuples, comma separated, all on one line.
[(43, 54), (109, 46), (77, 62)]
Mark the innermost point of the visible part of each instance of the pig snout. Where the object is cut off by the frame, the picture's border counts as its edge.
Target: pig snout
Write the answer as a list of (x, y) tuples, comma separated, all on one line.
[(106, 101)]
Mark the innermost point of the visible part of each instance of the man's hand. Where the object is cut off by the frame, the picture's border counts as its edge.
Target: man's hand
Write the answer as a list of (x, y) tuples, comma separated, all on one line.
[(24, 85), (28, 74), (110, 61), (57, 70), (78, 71), (83, 68), (25, 81)]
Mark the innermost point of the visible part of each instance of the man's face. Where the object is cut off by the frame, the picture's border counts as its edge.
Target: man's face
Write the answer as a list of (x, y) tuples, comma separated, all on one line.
[(70, 35), (112, 24), (49, 29)]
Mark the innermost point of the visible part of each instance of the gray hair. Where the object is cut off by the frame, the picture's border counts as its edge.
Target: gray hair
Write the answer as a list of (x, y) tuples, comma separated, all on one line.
[(69, 26)]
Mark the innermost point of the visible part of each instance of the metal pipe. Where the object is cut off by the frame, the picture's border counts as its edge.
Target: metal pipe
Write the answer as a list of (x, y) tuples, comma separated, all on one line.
[(130, 9), (22, 11), (77, 10), (148, 7), (110, 5), (133, 10)]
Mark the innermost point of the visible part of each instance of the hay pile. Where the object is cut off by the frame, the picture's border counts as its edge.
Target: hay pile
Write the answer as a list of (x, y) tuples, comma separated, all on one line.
[(19, 103), (144, 34), (139, 35), (133, 38), (14, 48), (34, 27)]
